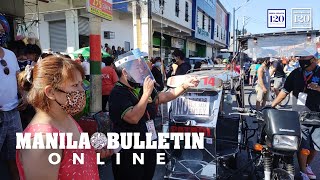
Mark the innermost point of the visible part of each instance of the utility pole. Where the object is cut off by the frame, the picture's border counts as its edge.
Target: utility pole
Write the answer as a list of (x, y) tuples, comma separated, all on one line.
[(142, 23), (136, 24), (234, 32), (243, 26), (237, 31), (95, 64)]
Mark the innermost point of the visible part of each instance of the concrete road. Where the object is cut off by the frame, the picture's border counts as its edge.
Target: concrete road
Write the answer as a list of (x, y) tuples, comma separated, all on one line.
[(106, 171)]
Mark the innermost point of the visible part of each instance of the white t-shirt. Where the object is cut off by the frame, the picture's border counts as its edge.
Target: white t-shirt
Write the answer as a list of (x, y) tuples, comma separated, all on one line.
[(86, 67), (8, 88)]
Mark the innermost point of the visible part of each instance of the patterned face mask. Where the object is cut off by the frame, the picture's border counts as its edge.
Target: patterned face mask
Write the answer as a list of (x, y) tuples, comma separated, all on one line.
[(76, 101)]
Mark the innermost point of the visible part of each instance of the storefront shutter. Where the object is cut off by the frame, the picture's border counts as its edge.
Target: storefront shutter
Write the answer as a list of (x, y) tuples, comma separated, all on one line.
[(83, 24), (58, 36)]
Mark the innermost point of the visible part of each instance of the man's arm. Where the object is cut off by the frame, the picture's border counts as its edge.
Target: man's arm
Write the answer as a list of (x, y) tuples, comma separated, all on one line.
[(279, 98), (164, 97), (287, 88), (134, 114)]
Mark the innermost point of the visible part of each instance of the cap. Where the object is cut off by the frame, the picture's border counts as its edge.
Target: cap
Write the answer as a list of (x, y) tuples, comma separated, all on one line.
[(5, 24)]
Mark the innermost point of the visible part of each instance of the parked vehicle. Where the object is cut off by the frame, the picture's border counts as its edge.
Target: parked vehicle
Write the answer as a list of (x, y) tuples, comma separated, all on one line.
[(208, 63)]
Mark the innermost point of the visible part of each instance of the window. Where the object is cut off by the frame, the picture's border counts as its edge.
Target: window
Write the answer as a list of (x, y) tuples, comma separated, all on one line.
[(177, 8), (187, 12), (203, 21), (209, 25), (199, 19), (217, 31), (161, 3)]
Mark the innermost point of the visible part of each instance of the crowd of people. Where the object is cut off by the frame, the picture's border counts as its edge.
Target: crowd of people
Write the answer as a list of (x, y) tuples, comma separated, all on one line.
[(44, 91)]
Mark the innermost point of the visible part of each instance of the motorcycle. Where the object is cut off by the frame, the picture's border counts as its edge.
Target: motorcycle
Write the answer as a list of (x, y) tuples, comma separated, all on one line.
[(279, 136)]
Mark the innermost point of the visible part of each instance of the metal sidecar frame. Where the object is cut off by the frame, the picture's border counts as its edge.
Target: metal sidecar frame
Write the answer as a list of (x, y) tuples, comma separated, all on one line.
[(200, 110)]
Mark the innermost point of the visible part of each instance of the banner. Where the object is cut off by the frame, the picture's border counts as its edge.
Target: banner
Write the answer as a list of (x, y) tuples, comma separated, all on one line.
[(100, 8), (192, 105)]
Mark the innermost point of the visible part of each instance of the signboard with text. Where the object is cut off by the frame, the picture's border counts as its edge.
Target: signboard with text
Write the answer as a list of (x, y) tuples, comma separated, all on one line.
[(101, 8), (302, 18), (276, 18)]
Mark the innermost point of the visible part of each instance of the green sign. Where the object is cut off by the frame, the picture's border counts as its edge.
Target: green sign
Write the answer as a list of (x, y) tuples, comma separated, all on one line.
[(202, 32)]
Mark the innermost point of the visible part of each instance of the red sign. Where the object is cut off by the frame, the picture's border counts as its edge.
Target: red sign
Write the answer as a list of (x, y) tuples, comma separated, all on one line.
[(101, 8), (205, 130), (208, 81)]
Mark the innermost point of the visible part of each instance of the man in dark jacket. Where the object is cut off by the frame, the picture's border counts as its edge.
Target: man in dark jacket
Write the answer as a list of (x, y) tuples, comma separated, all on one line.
[(183, 67)]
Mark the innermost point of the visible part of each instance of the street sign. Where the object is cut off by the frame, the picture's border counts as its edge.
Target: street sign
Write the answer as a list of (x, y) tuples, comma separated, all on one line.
[(101, 8), (302, 18), (276, 18)]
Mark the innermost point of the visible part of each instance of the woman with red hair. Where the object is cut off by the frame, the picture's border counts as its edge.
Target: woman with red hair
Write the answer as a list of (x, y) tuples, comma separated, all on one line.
[(55, 90)]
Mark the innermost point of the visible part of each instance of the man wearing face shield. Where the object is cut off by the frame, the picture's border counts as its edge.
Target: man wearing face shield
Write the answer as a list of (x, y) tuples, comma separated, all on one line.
[(304, 83), (131, 108)]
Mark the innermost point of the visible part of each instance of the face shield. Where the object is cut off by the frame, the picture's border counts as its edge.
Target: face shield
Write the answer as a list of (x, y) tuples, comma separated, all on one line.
[(135, 66)]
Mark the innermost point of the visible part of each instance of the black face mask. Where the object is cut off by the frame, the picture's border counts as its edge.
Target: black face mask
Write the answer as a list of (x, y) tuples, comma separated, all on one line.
[(268, 64), (304, 64)]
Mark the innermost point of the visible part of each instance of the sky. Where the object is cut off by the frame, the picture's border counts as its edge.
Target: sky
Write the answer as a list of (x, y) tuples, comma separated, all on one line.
[(256, 13)]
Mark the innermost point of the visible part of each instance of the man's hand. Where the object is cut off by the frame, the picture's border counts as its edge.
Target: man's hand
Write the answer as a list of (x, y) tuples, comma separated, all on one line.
[(314, 86), (190, 82), (264, 89), (148, 85)]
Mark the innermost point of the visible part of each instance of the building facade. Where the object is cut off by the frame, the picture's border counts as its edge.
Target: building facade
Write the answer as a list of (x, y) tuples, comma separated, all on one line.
[(221, 28), (198, 27)]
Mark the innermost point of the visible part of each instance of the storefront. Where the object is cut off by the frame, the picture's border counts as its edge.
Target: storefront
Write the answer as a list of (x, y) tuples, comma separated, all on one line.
[(13, 11), (168, 44)]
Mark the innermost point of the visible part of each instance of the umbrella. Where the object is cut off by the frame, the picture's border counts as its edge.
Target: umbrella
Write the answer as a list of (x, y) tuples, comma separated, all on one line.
[(86, 52)]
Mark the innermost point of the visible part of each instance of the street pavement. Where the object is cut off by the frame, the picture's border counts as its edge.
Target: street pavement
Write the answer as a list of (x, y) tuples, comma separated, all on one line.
[(106, 171)]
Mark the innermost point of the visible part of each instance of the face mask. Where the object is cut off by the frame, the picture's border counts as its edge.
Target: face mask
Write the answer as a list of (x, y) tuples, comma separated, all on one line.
[(76, 100), (305, 64), (268, 64), (157, 64), (3, 39)]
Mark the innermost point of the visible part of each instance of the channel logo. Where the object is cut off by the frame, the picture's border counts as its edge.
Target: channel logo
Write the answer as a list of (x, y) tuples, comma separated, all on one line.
[(276, 18), (301, 18)]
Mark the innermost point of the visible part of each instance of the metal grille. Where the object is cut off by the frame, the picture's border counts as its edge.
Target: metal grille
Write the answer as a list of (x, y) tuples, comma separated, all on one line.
[(58, 36), (83, 24)]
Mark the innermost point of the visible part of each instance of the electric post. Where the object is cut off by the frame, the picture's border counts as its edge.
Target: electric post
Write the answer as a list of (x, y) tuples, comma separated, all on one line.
[(142, 25), (95, 64)]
